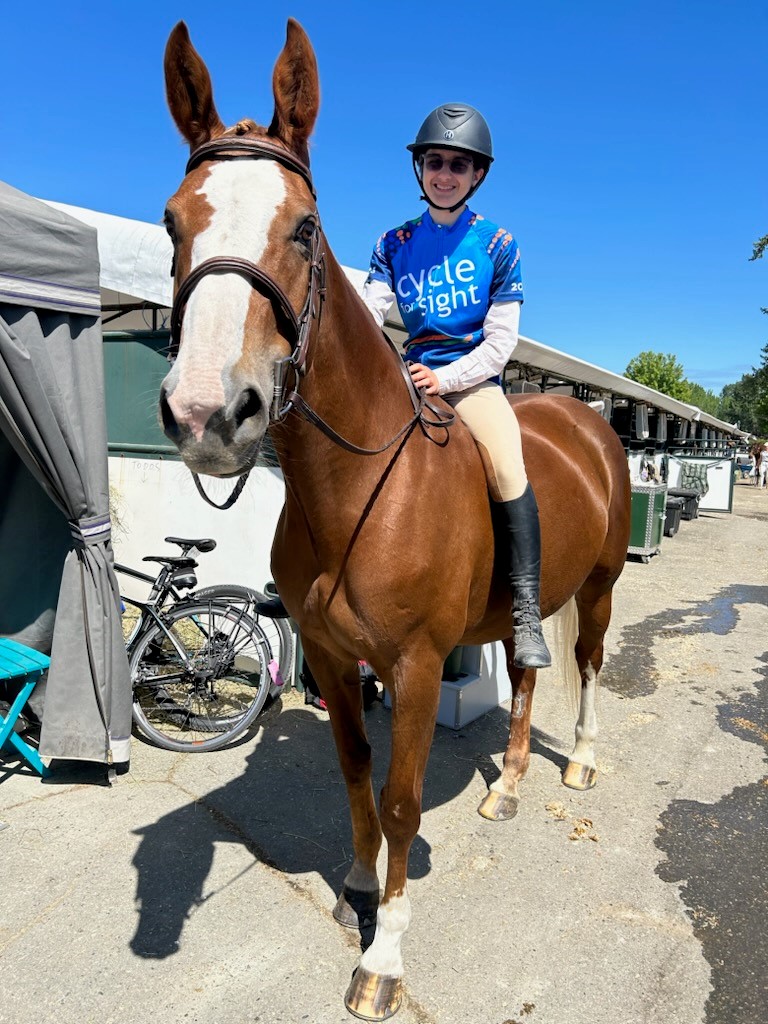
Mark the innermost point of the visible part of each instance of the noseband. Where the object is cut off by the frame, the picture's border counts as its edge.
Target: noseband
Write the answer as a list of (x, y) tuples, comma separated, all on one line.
[(297, 328)]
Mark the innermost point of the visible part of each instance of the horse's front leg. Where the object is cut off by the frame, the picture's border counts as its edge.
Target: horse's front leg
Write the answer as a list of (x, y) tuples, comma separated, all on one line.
[(339, 684), (375, 991), (503, 797)]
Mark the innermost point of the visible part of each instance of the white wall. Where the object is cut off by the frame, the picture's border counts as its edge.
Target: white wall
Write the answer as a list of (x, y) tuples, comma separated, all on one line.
[(154, 498), (151, 499)]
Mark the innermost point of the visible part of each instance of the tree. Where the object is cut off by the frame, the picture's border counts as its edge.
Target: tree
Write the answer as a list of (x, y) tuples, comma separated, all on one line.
[(705, 400), (746, 401), (761, 400), (664, 373), (758, 248)]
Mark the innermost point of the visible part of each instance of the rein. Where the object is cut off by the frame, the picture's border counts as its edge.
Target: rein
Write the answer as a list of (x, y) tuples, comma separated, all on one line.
[(297, 328), (419, 401)]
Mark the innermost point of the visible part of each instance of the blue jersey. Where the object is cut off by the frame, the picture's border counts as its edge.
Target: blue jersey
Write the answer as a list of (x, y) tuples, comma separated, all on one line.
[(445, 279)]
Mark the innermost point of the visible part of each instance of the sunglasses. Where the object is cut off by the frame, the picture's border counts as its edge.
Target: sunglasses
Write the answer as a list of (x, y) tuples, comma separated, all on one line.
[(456, 164)]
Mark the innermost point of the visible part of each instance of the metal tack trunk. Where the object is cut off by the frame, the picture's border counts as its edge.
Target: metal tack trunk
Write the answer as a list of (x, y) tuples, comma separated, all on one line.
[(647, 520), (474, 683)]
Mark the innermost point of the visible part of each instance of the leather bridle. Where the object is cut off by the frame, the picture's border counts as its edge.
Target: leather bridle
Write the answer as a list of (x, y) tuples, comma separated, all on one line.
[(297, 328)]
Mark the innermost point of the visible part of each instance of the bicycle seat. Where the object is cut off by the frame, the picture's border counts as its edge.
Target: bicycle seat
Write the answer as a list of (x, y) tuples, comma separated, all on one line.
[(203, 545)]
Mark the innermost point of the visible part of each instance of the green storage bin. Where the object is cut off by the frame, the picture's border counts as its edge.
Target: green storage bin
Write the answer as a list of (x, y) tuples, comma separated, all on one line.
[(647, 521)]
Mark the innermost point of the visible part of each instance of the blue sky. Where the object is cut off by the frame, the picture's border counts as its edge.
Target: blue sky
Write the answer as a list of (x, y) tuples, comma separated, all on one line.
[(631, 151)]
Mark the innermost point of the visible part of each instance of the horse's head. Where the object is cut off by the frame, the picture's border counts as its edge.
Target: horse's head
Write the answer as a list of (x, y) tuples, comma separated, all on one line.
[(245, 232)]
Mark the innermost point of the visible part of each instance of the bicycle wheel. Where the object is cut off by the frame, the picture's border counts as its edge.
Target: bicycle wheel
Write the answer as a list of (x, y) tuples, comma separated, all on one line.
[(277, 631), (201, 678)]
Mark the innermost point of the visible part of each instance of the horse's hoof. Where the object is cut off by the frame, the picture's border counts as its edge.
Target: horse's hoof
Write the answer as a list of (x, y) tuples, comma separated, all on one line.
[(356, 908), (498, 806), (579, 776), (373, 996)]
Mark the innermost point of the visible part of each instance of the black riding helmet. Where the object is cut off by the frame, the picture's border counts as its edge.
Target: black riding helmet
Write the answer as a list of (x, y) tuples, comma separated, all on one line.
[(454, 126)]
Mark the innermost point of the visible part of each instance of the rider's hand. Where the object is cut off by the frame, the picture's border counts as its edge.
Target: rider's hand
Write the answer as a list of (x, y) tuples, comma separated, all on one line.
[(424, 378)]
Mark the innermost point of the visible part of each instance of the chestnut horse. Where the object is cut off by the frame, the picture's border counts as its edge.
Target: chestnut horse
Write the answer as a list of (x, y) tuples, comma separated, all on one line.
[(385, 546)]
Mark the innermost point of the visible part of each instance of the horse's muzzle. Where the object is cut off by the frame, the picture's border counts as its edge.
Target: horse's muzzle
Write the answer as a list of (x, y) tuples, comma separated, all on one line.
[(217, 442)]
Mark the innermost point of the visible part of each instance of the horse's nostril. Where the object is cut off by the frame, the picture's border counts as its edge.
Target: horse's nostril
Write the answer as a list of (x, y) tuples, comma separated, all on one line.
[(170, 426), (249, 405)]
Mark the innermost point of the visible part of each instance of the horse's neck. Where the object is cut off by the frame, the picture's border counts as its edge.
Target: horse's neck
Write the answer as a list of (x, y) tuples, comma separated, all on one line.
[(349, 343), (354, 384), (352, 379)]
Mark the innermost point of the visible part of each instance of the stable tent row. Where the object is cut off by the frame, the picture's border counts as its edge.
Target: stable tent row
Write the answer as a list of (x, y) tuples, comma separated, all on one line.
[(137, 291)]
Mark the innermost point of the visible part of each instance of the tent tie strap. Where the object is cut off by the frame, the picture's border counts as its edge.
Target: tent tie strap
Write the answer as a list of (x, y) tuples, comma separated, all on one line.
[(91, 530)]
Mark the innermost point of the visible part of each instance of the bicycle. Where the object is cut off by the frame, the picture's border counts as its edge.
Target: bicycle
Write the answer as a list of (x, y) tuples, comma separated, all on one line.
[(204, 664)]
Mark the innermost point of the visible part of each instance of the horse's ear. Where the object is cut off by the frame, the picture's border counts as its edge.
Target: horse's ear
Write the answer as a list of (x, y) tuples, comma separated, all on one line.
[(297, 92), (189, 90)]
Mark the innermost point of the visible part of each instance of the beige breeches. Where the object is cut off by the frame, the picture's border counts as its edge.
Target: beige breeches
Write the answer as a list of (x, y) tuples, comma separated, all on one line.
[(490, 420)]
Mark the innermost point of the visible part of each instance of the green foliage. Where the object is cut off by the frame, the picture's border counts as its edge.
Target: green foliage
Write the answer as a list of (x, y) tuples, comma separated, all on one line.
[(746, 401), (705, 400), (664, 373), (758, 248)]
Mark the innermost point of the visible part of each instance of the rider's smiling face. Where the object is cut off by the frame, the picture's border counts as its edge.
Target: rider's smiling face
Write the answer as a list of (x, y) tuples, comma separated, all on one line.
[(448, 175)]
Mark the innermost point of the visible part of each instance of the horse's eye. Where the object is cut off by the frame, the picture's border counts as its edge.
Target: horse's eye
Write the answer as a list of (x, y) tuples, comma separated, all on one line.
[(170, 227), (306, 232)]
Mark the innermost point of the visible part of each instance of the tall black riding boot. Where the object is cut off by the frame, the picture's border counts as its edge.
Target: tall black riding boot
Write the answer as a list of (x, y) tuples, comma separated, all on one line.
[(521, 521)]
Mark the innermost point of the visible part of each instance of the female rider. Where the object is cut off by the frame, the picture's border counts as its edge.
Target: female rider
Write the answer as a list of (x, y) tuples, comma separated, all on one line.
[(456, 279)]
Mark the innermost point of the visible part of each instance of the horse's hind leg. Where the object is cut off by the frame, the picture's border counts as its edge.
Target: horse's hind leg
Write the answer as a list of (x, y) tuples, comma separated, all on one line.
[(594, 616), (502, 800)]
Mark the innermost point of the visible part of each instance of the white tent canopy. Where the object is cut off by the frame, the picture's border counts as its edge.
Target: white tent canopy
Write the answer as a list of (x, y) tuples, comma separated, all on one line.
[(135, 262), (136, 257)]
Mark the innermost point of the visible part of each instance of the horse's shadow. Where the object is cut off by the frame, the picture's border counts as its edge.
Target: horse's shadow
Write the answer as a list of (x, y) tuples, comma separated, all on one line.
[(289, 810)]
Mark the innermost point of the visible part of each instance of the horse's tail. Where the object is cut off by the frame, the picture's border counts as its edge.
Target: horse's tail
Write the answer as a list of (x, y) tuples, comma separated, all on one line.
[(565, 631)]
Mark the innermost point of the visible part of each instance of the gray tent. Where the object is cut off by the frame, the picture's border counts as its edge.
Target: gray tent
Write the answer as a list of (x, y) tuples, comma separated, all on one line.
[(58, 591)]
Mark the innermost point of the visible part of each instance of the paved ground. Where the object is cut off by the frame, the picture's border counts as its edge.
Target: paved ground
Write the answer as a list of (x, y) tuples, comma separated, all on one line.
[(198, 889)]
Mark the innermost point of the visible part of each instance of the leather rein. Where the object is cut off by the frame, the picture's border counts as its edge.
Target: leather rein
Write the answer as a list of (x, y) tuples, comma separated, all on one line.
[(297, 328)]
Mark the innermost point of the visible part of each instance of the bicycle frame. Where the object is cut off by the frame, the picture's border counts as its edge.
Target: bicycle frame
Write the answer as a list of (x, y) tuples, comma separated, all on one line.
[(160, 587)]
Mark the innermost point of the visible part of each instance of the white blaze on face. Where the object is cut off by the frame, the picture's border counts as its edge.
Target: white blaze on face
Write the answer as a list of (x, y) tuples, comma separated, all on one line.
[(244, 196)]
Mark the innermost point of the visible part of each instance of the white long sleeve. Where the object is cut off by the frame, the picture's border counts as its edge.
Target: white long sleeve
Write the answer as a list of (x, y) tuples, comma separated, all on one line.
[(500, 330), (378, 297)]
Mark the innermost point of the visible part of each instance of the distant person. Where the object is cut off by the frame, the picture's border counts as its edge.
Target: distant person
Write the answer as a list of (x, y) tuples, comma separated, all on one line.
[(762, 468)]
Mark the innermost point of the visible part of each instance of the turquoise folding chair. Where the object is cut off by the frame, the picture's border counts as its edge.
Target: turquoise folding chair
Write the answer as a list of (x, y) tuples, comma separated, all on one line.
[(20, 664)]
